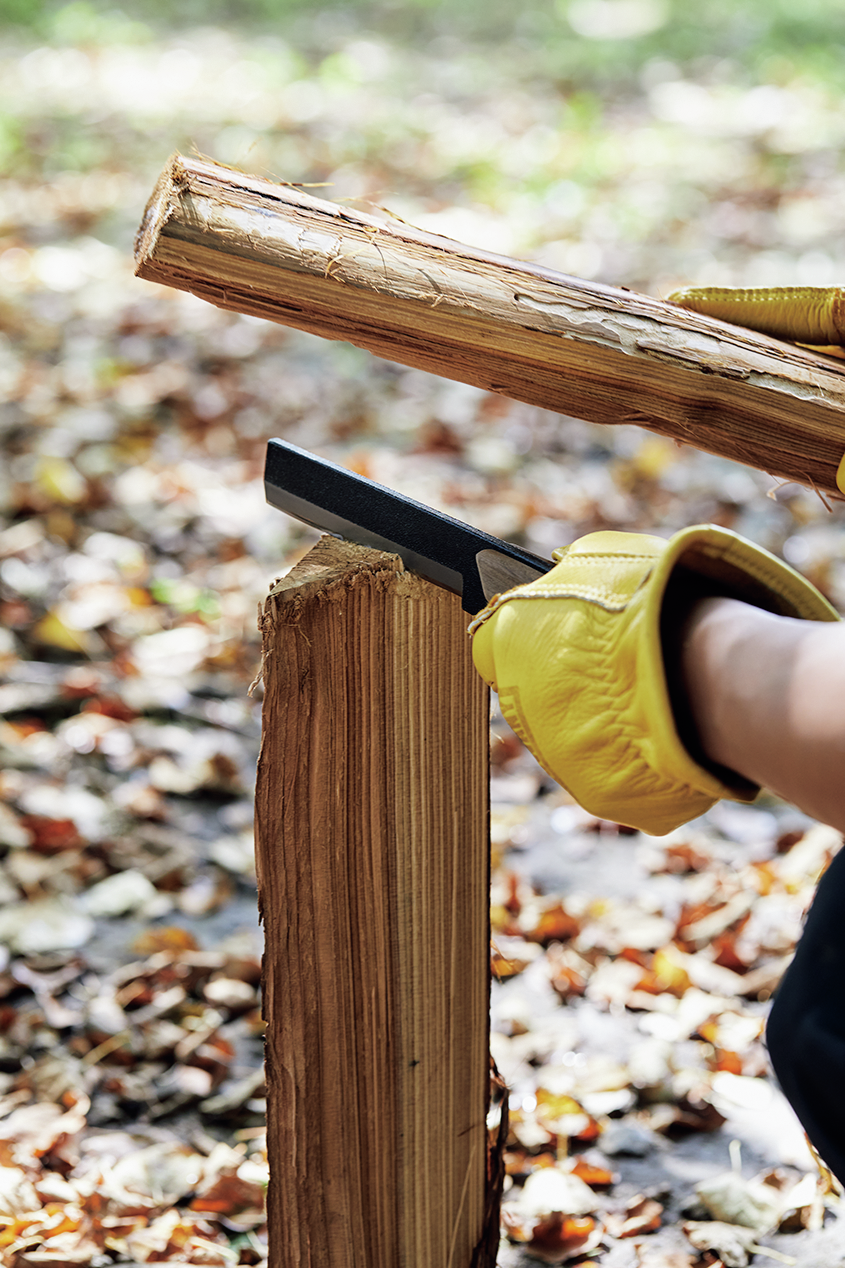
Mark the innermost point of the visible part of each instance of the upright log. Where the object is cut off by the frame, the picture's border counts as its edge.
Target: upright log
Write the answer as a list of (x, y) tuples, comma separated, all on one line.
[(372, 850)]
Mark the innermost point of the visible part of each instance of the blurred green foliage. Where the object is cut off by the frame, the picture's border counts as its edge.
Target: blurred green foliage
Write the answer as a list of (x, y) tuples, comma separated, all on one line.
[(182, 596), (771, 40)]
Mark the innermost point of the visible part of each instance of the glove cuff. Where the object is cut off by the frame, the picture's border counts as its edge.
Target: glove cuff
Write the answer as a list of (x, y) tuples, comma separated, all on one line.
[(700, 562)]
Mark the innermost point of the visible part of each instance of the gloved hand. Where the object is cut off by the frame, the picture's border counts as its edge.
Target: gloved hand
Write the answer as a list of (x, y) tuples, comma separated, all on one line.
[(585, 663)]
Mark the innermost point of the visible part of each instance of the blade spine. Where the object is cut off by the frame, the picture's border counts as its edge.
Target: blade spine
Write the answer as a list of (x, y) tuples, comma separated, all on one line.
[(478, 537)]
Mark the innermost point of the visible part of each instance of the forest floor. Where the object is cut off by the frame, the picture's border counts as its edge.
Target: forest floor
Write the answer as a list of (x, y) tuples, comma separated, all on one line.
[(632, 974)]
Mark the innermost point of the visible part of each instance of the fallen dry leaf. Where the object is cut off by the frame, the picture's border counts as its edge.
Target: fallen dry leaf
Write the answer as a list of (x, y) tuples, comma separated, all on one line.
[(595, 1176), (233, 1196), (641, 1215), (51, 836), (555, 924), (733, 1243), (551, 1190), (557, 1238), (564, 1116), (37, 1130), (648, 1258), (66, 1249)]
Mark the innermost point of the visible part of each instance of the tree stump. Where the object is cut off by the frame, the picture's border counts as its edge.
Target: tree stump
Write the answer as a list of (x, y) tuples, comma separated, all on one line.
[(373, 869)]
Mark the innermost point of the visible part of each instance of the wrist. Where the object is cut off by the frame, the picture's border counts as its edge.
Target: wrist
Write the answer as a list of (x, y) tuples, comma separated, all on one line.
[(733, 660)]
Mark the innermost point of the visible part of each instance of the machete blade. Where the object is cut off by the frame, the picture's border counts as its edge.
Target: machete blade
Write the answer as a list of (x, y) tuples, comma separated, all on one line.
[(448, 552)]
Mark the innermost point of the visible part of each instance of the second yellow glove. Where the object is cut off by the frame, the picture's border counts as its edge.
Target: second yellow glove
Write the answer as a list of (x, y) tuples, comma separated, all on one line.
[(577, 660)]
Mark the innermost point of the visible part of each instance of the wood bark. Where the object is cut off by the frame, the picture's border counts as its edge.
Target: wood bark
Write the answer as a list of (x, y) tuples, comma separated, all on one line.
[(372, 851), (590, 351)]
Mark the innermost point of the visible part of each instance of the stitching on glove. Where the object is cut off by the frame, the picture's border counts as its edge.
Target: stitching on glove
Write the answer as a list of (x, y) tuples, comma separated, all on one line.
[(758, 568), (610, 603), (606, 554)]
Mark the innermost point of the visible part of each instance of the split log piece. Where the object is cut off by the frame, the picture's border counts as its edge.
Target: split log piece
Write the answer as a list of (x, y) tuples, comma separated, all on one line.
[(590, 351), (372, 840)]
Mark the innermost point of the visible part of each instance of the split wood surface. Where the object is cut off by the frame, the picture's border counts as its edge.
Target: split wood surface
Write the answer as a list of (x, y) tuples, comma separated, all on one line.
[(590, 351), (372, 852)]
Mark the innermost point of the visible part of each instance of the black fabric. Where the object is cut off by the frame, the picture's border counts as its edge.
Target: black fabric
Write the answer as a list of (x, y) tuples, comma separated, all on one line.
[(684, 590), (806, 1030)]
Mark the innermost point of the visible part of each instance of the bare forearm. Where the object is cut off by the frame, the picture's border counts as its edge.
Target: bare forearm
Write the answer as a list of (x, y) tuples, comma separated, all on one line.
[(767, 695)]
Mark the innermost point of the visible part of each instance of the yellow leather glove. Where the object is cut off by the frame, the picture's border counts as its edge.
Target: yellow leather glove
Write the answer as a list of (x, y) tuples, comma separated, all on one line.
[(807, 314), (577, 658)]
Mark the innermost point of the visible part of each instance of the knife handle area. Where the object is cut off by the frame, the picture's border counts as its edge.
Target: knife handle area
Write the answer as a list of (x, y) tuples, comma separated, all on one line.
[(447, 551)]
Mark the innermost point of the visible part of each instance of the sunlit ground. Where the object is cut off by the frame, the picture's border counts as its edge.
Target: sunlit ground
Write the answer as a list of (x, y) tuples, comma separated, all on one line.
[(625, 141)]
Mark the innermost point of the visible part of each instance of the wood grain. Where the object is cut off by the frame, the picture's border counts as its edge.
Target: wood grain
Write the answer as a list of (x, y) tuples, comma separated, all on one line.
[(595, 352), (372, 851)]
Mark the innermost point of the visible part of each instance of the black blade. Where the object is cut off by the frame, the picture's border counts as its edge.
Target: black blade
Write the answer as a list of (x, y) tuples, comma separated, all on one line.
[(473, 564)]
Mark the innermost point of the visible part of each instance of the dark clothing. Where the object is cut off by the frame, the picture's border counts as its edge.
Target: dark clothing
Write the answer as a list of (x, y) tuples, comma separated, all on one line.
[(806, 1030)]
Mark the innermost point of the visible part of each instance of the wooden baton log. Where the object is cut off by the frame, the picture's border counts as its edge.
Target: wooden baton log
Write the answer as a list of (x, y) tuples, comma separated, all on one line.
[(373, 870), (596, 352)]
